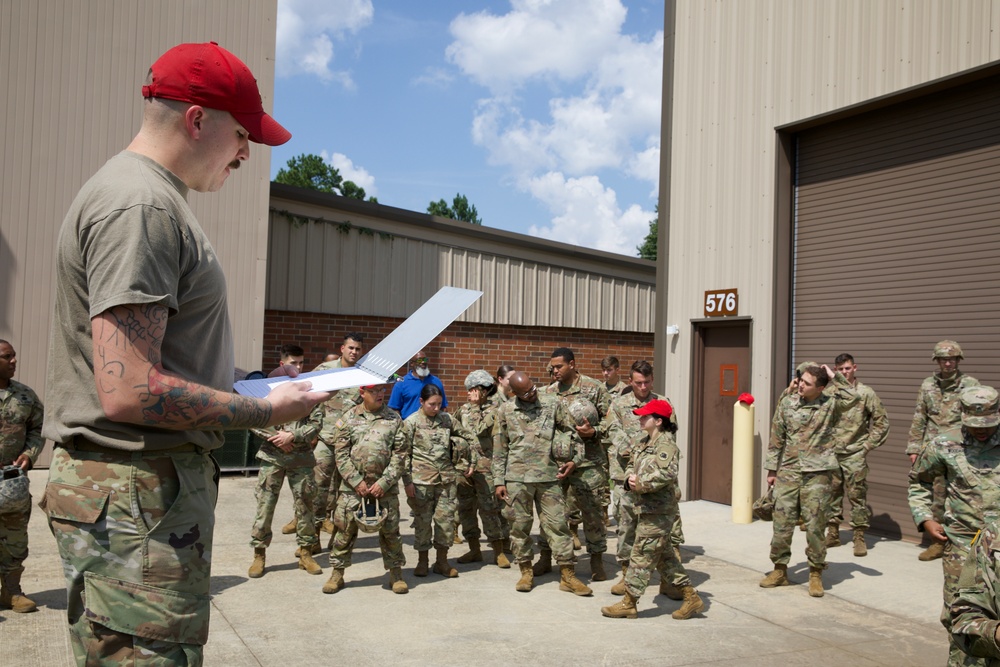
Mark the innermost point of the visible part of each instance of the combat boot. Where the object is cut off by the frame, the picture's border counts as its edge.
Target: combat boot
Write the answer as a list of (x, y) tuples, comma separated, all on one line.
[(11, 595), (306, 561), (474, 555), (312, 550), (328, 526), (776, 577), (672, 591), (832, 536), (399, 586), (527, 580), (692, 604), (289, 527), (256, 570), (442, 566), (335, 582), (860, 548), (499, 558), (816, 582), (544, 563), (597, 572), (421, 569), (624, 608), (458, 535), (570, 583), (573, 527), (619, 587), (934, 551)]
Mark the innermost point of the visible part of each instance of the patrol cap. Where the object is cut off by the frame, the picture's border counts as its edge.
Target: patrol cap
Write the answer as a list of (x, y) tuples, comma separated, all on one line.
[(801, 368), (980, 407), (657, 407), (479, 378), (947, 348)]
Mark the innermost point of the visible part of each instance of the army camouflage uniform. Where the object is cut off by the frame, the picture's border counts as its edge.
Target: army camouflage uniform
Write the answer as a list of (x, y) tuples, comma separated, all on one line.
[(20, 433), (297, 466), (585, 486), (801, 451), (862, 428), (325, 475), (523, 438), (971, 472), (439, 451), (975, 613), (479, 419), (366, 449), (617, 389)]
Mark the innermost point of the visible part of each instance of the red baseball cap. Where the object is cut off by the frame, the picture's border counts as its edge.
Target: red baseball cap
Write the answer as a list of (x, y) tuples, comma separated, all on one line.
[(208, 75), (657, 407)]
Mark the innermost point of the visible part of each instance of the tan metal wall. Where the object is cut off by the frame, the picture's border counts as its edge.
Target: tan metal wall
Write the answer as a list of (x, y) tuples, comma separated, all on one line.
[(330, 254), (740, 69), (71, 73)]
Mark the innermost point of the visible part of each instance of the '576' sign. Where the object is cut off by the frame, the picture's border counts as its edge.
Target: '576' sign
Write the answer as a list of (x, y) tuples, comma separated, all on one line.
[(721, 302)]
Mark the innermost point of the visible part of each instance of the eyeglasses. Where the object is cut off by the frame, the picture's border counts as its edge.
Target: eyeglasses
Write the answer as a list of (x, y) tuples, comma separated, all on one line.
[(528, 393), (420, 361)]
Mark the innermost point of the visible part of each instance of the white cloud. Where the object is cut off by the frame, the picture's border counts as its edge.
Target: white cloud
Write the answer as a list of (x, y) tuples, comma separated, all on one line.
[(586, 213), (306, 33), (352, 172)]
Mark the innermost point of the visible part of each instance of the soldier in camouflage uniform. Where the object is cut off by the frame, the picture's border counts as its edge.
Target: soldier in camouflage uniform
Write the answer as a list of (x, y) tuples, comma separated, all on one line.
[(650, 475), (535, 447), (20, 444), (800, 462), (975, 613), (970, 467), (589, 478), (371, 461), (859, 430), (612, 380), (439, 453), (938, 412), (478, 415), (502, 394)]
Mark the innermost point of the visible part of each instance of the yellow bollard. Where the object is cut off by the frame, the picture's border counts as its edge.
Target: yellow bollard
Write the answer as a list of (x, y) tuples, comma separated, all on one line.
[(743, 413)]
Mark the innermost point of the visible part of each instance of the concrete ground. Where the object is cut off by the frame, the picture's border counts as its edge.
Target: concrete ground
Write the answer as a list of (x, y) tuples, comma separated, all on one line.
[(878, 610)]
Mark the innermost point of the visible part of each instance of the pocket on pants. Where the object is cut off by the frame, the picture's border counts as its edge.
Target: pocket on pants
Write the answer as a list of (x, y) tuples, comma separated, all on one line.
[(80, 504)]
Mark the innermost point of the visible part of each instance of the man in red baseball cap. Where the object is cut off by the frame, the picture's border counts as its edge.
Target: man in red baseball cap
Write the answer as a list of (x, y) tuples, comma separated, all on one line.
[(140, 370)]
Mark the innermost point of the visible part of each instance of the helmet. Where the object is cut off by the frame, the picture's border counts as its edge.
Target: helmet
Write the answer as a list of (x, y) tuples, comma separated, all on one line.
[(14, 495), (763, 507), (562, 447), (478, 378), (947, 348), (370, 515), (580, 409)]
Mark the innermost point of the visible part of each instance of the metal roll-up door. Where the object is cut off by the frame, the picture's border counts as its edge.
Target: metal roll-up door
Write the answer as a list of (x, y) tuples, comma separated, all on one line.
[(896, 246)]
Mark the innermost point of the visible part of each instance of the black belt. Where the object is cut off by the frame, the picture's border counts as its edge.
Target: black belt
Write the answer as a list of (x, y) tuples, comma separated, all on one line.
[(81, 444)]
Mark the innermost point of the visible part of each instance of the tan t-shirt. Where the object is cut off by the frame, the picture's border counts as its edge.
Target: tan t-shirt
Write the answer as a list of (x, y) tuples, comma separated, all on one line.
[(130, 238)]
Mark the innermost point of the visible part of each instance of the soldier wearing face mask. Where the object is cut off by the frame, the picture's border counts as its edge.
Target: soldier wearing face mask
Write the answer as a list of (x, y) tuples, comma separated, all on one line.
[(405, 397)]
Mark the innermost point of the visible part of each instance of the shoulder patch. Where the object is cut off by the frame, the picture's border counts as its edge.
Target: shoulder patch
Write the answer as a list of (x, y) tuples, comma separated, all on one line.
[(340, 423)]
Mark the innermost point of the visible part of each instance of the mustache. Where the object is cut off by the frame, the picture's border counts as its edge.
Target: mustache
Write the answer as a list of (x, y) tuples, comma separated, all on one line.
[(235, 164)]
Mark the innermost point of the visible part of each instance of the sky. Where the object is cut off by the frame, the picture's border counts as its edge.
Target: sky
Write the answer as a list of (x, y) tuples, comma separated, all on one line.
[(544, 113)]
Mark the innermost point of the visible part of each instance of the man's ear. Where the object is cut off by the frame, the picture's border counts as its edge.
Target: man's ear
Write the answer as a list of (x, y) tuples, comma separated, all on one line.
[(194, 120)]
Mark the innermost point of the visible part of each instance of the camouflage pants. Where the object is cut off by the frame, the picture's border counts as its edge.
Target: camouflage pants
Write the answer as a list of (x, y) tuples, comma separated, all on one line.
[(677, 530), (852, 477), (625, 503), (955, 555), (653, 549), (13, 540), (434, 508), (135, 536), (585, 486), (300, 481), (389, 540), (805, 494), (327, 482), (480, 497), (549, 499)]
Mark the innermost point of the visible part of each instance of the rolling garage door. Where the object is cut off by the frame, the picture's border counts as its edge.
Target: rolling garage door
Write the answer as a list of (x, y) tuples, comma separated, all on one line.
[(896, 246)]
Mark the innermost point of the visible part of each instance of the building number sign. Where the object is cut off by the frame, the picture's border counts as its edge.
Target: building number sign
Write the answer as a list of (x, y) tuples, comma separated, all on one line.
[(721, 302)]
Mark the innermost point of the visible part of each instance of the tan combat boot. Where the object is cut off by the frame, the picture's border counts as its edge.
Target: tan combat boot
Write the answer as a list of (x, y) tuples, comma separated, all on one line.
[(816, 582), (499, 558), (11, 595), (597, 572), (692, 604), (776, 577), (544, 563), (934, 551), (573, 527), (474, 555), (624, 608), (860, 548), (672, 591), (312, 550), (306, 561), (289, 527), (422, 565), (256, 570), (619, 587), (832, 536), (328, 526), (527, 580), (570, 583), (335, 582), (399, 586), (442, 566)]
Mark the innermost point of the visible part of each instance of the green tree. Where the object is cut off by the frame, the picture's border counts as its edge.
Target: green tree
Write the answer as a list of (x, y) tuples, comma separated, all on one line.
[(313, 172), (648, 248), (460, 209)]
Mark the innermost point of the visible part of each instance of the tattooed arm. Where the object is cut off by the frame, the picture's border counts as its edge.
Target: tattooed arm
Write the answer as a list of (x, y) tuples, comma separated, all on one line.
[(134, 387)]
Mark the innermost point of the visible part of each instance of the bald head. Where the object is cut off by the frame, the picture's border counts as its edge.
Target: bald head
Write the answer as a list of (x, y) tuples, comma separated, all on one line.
[(522, 386)]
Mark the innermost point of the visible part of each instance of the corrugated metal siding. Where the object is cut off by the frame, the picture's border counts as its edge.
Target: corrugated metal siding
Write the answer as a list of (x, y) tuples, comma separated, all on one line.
[(71, 72), (743, 68), (896, 247)]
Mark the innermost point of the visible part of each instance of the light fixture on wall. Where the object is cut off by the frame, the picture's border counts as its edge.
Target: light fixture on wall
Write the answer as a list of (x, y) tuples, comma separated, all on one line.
[(673, 329)]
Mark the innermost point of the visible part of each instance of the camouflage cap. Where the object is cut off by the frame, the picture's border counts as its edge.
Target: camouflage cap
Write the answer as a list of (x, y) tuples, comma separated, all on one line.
[(947, 348), (980, 407), (479, 378), (801, 368)]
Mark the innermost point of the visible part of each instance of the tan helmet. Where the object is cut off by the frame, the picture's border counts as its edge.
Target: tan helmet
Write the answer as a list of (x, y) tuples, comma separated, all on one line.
[(947, 348), (14, 495), (980, 407), (370, 515)]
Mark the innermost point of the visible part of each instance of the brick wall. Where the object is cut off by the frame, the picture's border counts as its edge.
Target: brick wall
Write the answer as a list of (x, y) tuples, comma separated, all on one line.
[(460, 348)]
